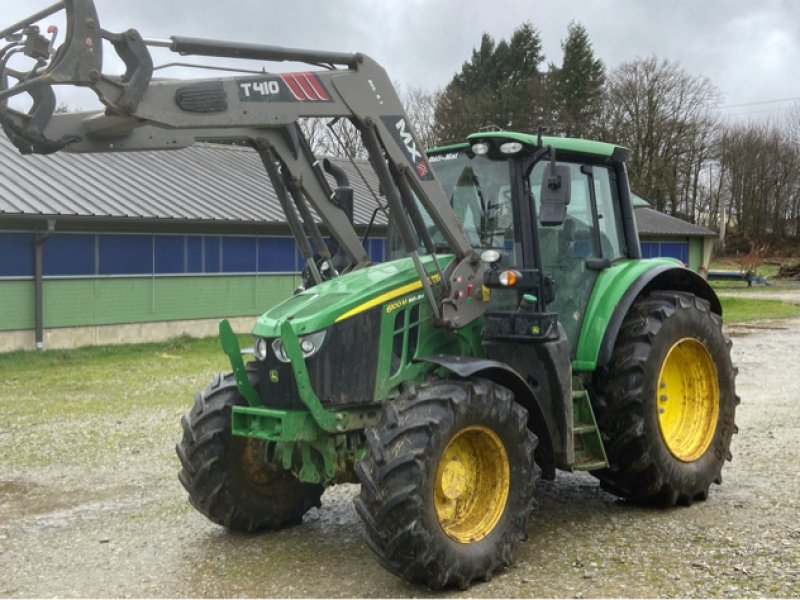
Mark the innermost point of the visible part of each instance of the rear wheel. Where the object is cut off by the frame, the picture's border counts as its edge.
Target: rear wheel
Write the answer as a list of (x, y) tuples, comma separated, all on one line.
[(229, 478), (447, 482), (666, 403)]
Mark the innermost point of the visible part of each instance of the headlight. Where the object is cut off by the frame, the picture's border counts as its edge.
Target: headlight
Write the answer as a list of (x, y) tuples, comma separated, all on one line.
[(510, 147), (480, 148), (309, 345), (260, 348)]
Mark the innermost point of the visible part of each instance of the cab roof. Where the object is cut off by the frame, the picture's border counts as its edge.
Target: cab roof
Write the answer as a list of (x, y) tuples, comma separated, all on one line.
[(564, 144)]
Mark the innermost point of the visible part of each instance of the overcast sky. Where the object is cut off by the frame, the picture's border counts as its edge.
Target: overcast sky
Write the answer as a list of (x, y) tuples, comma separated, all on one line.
[(749, 50)]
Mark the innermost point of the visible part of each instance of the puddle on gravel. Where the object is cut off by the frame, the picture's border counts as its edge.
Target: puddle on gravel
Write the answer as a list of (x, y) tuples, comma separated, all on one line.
[(18, 496), (93, 511), (36, 506)]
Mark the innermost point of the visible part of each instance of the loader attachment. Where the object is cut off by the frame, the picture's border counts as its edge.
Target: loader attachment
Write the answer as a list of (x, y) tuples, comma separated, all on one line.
[(78, 62), (257, 108)]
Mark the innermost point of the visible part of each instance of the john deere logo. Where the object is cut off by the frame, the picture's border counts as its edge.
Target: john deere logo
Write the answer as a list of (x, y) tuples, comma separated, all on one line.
[(273, 376)]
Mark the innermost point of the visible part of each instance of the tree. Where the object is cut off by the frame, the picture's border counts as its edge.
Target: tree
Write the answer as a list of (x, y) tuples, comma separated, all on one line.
[(333, 137), (578, 85), (494, 87), (666, 117), (759, 179), (420, 106), (339, 137)]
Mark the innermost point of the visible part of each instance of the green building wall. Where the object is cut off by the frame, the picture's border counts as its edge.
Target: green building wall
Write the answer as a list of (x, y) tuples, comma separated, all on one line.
[(695, 253), (75, 302)]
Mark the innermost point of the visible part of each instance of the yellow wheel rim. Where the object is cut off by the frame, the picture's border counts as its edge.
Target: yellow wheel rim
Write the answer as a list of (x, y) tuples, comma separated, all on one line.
[(254, 464), (687, 399), (472, 482), (261, 474)]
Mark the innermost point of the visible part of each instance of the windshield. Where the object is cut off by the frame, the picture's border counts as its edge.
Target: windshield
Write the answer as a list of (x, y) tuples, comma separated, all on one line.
[(479, 190)]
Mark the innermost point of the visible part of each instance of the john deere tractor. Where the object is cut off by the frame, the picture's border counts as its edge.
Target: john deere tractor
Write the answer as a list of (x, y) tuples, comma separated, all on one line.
[(514, 330)]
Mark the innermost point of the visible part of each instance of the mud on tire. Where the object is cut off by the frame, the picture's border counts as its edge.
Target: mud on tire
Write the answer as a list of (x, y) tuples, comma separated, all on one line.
[(228, 477), (654, 460), (402, 481)]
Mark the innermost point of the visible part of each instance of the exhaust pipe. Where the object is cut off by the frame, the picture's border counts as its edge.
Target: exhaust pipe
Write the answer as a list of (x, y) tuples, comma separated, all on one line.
[(343, 194)]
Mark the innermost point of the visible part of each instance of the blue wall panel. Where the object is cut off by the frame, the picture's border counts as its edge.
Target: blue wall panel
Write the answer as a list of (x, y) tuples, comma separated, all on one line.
[(16, 254), (86, 255), (239, 255), (69, 254), (211, 254), (125, 254), (194, 254), (277, 255), (170, 253), (670, 249)]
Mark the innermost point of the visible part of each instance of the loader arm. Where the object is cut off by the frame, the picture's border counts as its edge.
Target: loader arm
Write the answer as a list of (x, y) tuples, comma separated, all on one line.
[(259, 109)]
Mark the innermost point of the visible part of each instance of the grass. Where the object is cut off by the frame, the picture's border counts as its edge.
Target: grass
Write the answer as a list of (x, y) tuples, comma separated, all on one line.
[(739, 310), (740, 286), (768, 271), (140, 374), (764, 270), (97, 402)]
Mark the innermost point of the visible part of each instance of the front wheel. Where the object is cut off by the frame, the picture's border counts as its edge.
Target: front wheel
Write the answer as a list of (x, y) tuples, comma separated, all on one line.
[(666, 403), (447, 482), (230, 479)]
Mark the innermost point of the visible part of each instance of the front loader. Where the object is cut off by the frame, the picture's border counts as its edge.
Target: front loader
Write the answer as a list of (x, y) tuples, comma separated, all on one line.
[(514, 330)]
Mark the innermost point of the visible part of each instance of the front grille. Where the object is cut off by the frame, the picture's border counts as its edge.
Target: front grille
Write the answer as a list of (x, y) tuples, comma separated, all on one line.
[(342, 372)]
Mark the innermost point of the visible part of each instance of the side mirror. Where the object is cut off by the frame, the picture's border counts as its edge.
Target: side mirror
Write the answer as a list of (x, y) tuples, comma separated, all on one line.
[(555, 195)]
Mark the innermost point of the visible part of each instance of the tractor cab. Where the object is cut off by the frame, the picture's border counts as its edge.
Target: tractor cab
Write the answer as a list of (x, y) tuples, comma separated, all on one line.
[(546, 214)]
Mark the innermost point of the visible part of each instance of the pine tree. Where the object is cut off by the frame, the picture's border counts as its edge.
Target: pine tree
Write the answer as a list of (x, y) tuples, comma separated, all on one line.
[(494, 88), (578, 84)]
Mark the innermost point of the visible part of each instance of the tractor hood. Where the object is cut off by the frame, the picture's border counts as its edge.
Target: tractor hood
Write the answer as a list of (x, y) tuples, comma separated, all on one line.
[(345, 296)]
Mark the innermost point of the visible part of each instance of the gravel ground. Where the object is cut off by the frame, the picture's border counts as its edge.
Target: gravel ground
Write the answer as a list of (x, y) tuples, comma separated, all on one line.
[(124, 529)]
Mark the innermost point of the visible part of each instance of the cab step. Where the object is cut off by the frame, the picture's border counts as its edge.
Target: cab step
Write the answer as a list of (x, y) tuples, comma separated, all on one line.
[(590, 455)]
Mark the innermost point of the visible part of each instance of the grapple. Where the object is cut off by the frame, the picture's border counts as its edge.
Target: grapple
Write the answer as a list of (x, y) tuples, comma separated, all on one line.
[(78, 61)]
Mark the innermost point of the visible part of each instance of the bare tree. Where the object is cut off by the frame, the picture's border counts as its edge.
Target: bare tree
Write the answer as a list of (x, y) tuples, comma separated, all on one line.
[(759, 183), (666, 117), (339, 137), (420, 106), (333, 137)]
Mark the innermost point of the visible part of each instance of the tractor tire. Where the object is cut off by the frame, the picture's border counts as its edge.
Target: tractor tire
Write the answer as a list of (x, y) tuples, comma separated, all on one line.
[(447, 482), (229, 478), (665, 404)]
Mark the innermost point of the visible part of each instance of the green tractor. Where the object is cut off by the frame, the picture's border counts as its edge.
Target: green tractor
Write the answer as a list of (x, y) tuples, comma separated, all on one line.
[(587, 358), (514, 330)]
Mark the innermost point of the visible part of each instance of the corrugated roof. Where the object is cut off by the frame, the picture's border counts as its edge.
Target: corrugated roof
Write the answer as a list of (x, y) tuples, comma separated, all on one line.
[(216, 183), (652, 222), (207, 182)]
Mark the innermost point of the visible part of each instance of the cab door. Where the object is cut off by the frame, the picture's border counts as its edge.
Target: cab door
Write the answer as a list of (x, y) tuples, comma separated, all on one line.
[(590, 239)]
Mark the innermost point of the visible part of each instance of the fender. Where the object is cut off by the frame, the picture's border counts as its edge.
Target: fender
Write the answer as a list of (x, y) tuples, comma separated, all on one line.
[(675, 278), (615, 290), (504, 375)]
